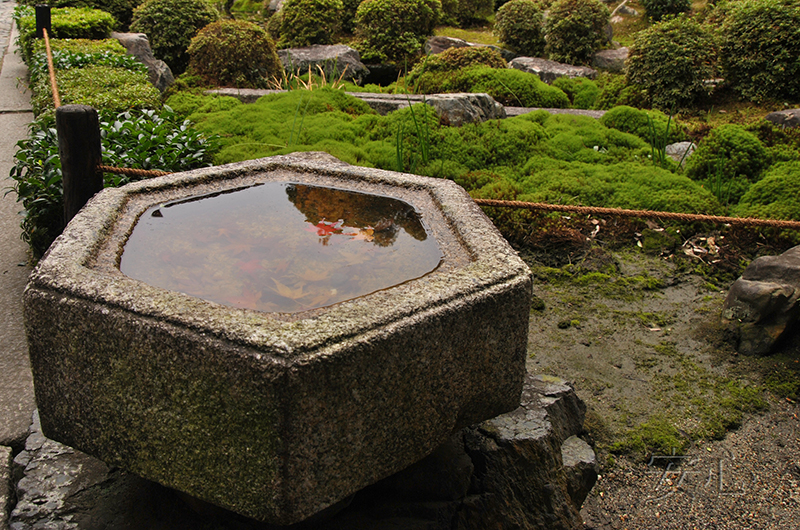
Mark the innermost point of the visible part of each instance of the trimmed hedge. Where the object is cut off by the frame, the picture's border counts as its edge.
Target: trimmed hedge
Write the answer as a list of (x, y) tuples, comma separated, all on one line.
[(121, 10), (102, 87), (451, 60), (307, 22), (658, 9), (65, 23)]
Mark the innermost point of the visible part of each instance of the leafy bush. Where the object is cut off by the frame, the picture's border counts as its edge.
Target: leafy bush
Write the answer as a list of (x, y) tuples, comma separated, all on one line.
[(671, 61), (727, 161), (231, 52), (575, 29), (65, 23), (775, 196), (452, 60), (170, 26), (508, 86), (466, 12), (395, 30), (349, 15), (657, 9), (582, 92), (759, 49), (518, 25), (306, 22), (102, 87), (146, 140), (614, 91)]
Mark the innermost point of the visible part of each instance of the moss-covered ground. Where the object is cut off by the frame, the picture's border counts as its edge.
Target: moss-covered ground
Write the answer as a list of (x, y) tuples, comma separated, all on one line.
[(636, 328)]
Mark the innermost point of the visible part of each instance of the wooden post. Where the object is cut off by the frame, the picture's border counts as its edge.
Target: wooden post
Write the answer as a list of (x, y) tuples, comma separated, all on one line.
[(42, 21), (79, 149)]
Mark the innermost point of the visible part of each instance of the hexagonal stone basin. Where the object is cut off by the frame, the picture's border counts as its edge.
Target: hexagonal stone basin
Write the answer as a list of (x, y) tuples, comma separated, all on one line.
[(275, 415), (280, 246)]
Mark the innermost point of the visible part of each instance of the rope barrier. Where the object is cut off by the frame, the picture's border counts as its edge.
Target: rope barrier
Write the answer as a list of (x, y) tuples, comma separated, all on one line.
[(51, 69), (646, 214), (583, 210)]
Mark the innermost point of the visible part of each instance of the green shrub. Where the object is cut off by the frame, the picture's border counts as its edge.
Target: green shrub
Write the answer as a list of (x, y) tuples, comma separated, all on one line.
[(146, 140), (657, 9), (582, 92), (575, 29), (237, 53), (64, 60), (170, 26), (395, 30), (647, 125), (508, 86), (452, 60), (615, 91), (65, 23), (671, 61), (307, 22), (121, 10), (102, 87), (349, 15), (518, 25), (775, 196), (467, 12), (759, 49), (727, 161)]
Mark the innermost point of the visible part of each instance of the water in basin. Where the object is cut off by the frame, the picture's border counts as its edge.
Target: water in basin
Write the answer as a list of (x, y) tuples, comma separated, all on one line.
[(280, 247)]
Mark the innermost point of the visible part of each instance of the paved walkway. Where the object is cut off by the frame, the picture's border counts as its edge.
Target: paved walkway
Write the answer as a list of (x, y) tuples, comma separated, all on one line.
[(16, 386)]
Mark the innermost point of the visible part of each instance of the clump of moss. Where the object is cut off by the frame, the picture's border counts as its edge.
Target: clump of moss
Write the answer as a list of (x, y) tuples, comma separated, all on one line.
[(656, 436)]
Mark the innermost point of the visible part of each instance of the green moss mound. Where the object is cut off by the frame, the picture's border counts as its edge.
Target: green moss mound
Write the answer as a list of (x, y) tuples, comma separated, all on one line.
[(728, 161), (651, 126), (450, 61), (581, 91), (508, 86), (235, 53), (775, 196)]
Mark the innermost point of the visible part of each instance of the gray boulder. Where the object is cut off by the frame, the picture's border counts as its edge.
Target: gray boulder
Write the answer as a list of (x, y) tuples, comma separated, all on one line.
[(136, 44), (335, 60), (548, 70), (612, 60), (275, 5), (680, 151), (762, 305), (785, 118), (438, 44), (5, 485), (453, 109)]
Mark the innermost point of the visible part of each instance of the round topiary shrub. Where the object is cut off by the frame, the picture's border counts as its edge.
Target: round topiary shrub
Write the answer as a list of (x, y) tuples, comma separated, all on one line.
[(170, 26), (349, 15), (657, 9), (428, 72), (759, 49), (518, 25), (727, 161), (395, 30), (575, 29), (307, 22), (237, 53), (671, 61)]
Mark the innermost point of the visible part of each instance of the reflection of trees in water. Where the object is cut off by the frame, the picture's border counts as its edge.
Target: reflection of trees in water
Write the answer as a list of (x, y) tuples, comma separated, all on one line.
[(358, 210)]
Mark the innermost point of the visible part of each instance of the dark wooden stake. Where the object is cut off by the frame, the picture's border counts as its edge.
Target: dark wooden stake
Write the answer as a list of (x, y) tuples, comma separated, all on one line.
[(43, 21), (79, 148)]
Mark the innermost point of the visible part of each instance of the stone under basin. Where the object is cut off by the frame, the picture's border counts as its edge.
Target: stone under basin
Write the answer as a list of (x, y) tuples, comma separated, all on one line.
[(274, 415)]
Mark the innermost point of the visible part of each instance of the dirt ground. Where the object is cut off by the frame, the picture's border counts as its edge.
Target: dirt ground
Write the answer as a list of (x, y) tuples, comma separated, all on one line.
[(689, 434)]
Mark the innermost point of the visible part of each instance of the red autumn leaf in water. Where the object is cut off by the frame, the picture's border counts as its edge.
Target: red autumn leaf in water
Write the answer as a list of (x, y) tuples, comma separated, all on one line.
[(325, 228), (250, 267)]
